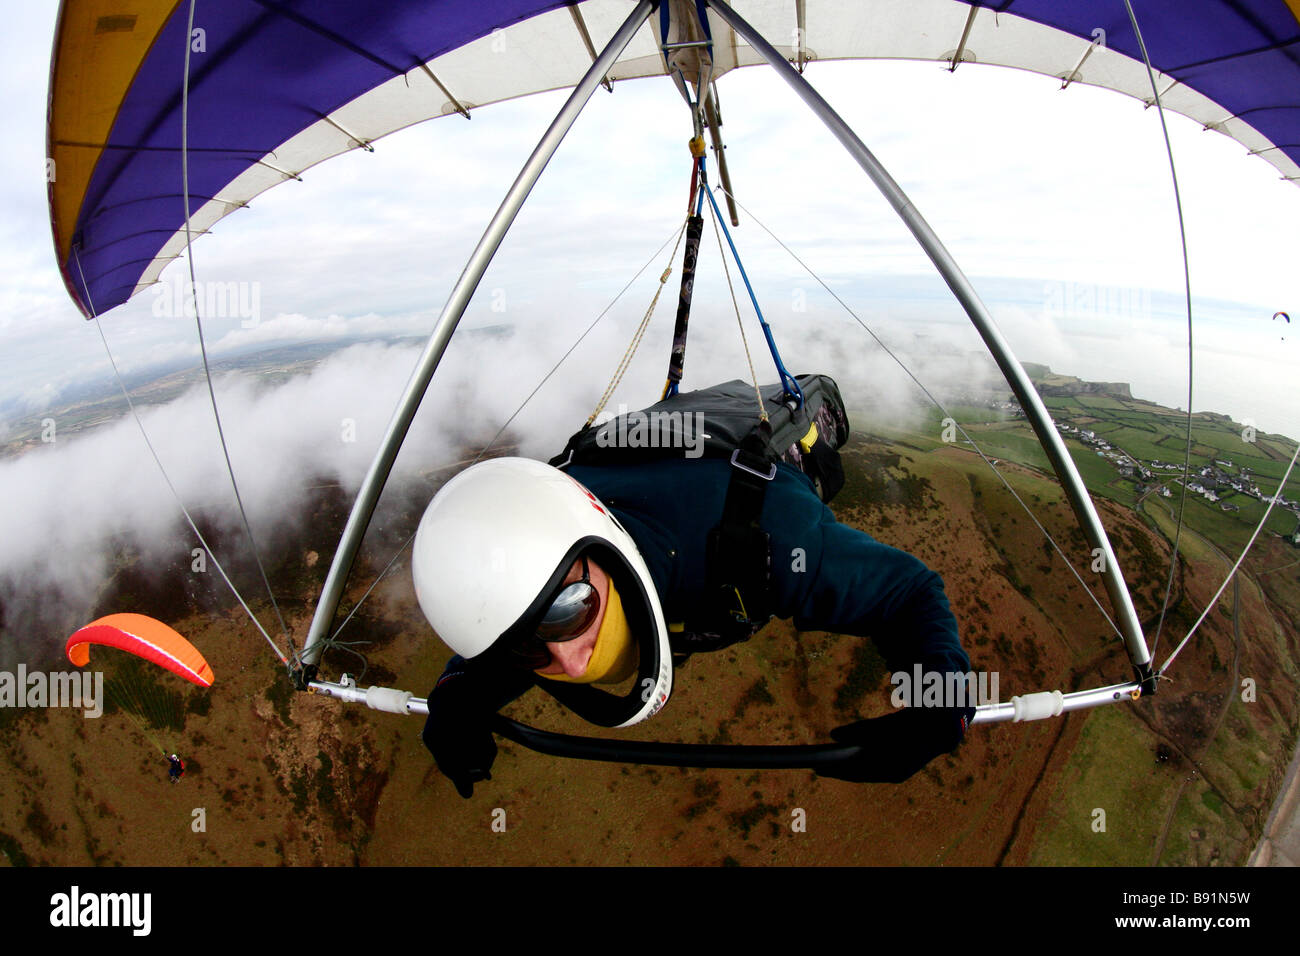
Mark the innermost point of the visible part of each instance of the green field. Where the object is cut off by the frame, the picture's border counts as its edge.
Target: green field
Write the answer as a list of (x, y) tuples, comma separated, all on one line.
[(1184, 780), (1147, 432)]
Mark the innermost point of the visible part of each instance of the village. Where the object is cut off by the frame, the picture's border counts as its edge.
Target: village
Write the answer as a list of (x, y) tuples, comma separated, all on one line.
[(1217, 483), (1214, 482)]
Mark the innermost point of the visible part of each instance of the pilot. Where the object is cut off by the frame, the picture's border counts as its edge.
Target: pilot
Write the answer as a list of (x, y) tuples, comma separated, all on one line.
[(587, 582)]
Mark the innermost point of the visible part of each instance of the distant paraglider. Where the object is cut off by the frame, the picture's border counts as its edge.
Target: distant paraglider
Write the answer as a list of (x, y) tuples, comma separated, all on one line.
[(175, 768), (1285, 317), (146, 638)]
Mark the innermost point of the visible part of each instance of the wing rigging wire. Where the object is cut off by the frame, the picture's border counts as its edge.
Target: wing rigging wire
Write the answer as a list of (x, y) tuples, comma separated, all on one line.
[(1217, 594), (1187, 284), (937, 404), (198, 319), (333, 638), (208, 377), (731, 289), (929, 395), (1187, 280), (163, 471)]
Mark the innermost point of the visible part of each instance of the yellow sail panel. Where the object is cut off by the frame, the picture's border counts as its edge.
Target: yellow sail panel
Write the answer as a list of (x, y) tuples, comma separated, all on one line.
[(97, 53)]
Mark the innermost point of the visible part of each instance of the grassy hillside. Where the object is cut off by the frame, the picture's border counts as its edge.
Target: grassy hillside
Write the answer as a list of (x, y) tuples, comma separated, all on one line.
[(1184, 778)]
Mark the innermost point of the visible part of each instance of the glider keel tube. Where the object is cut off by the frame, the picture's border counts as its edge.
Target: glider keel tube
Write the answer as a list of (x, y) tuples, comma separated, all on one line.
[(1035, 411), (377, 476)]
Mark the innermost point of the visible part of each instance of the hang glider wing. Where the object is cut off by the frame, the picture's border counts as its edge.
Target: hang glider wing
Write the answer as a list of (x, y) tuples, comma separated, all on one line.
[(276, 86)]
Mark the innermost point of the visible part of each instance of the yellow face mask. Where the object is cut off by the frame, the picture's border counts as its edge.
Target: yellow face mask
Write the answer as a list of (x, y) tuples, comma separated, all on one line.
[(613, 658)]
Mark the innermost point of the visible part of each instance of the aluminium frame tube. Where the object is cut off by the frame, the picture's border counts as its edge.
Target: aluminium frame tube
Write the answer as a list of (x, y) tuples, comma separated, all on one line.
[(1030, 402), (373, 484), (1020, 708), (1039, 706), (1046, 704)]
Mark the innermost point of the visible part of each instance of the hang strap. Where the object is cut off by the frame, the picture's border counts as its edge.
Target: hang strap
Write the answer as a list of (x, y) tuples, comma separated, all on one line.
[(694, 227), (677, 358), (788, 381)]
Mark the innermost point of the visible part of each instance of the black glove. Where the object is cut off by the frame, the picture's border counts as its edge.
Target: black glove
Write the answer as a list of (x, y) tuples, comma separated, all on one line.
[(899, 744), (457, 732)]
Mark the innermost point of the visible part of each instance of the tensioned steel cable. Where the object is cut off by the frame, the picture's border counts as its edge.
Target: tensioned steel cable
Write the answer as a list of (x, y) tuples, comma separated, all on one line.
[(726, 271), (937, 404), (1258, 528), (203, 349), (163, 471), (1187, 454), (515, 414), (1187, 284)]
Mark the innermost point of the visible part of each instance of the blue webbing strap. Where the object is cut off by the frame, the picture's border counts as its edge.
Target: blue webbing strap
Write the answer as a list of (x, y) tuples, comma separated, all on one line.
[(788, 381)]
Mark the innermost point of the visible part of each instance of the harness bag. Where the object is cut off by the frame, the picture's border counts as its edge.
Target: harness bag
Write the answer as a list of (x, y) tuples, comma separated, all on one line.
[(722, 422)]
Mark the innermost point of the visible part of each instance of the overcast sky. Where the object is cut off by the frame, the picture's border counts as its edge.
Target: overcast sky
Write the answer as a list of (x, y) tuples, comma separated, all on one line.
[(1057, 203)]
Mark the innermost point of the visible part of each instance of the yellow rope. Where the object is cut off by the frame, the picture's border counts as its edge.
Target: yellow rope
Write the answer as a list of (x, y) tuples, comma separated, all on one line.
[(636, 338)]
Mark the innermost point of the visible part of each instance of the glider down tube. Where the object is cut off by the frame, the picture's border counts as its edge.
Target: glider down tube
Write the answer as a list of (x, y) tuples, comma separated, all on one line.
[(376, 477), (1075, 490)]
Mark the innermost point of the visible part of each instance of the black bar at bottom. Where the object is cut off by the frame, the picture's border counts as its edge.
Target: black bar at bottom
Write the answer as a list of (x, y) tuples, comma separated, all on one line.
[(787, 757)]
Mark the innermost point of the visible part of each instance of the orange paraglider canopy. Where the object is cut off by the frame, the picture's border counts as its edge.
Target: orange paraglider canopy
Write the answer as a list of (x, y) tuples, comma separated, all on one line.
[(144, 637)]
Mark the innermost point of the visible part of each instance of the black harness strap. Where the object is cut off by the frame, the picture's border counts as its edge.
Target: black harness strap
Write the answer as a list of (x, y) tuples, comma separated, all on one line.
[(677, 358), (739, 550)]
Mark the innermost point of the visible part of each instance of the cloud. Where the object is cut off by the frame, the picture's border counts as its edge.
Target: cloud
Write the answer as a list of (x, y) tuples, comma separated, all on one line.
[(96, 495), (1019, 179), (1026, 184)]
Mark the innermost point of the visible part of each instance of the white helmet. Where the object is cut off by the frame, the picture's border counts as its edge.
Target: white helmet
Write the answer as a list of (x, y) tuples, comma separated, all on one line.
[(491, 554)]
